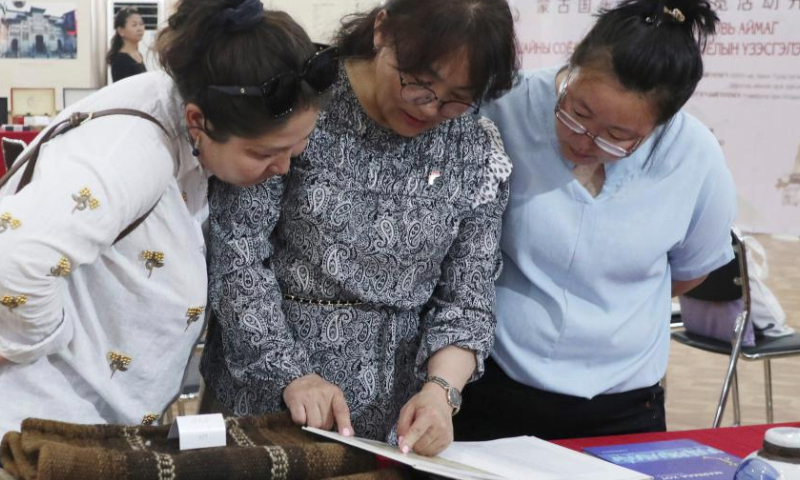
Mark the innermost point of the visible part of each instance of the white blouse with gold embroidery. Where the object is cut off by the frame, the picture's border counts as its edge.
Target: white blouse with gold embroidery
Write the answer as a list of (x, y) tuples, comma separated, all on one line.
[(94, 332)]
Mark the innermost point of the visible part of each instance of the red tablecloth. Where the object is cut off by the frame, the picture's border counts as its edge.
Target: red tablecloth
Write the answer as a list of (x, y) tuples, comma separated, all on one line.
[(26, 137), (739, 441)]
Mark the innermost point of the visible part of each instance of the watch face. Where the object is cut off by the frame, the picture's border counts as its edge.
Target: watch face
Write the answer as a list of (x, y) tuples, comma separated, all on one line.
[(454, 397)]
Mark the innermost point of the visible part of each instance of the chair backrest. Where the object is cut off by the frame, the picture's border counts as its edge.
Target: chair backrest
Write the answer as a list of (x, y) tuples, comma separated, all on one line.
[(713, 308), (725, 283), (734, 274), (740, 249), (12, 148)]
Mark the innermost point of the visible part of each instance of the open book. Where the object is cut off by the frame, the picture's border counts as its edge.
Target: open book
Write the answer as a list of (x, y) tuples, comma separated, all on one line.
[(519, 458)]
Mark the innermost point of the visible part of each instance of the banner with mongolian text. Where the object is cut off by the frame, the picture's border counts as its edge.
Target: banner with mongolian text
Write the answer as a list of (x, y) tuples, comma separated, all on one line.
[(749, 96)]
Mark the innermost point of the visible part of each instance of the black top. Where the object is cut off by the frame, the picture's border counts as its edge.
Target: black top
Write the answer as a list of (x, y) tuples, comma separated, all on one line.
[(123, 66)]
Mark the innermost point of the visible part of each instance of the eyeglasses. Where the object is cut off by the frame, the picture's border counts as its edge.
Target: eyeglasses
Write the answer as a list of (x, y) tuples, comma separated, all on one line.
[(419, 94), (575, 126), (279, 93)]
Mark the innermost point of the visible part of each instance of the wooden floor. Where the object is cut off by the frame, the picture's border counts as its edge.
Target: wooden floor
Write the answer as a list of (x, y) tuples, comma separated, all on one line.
[(694, 378)]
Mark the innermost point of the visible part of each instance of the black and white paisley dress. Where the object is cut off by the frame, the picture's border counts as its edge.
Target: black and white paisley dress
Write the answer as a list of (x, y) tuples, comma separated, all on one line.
[(408, 229)]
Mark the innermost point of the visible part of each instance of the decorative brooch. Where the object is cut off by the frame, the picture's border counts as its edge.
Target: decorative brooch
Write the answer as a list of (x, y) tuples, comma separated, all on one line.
[(152, 260), (118, 362), (193, 315), (435, 174), (62, 268), (13, 302), (85, 199), (7, 221)]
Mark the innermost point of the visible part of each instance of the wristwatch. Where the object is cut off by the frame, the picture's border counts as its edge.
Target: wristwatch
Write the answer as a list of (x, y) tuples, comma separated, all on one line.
[(453, 395)]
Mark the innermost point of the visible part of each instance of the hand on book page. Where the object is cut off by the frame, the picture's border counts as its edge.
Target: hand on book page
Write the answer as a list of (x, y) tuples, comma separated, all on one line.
[(425, 425), (436, 465), (314, 401), (520, 458)]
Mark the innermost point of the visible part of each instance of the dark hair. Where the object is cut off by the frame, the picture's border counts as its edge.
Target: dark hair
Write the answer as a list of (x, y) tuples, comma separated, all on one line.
[(120, 19), (200, 47), (651, 48), (424, 32)]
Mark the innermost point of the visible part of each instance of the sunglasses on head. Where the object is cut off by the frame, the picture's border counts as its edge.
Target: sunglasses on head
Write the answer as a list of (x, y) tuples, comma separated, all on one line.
[(279, 93)]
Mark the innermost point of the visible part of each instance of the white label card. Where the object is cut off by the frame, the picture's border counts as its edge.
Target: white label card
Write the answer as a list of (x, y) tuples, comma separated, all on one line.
[(199, 431)]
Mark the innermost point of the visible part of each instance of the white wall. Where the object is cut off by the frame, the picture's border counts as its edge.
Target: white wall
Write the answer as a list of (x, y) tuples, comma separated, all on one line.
[(320, 18)]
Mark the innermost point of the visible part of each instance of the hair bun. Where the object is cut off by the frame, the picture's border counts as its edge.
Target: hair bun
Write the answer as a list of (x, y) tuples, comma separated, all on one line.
[(246, 15)]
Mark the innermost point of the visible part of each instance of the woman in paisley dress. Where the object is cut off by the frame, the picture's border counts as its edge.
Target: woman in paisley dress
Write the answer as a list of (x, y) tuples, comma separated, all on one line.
[(371, 305)]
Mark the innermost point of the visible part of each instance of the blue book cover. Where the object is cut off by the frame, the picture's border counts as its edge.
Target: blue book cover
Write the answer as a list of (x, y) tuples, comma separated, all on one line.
[(671, 459)]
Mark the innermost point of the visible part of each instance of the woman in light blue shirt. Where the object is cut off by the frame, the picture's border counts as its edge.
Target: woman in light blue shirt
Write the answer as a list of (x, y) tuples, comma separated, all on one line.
[(619, 201)]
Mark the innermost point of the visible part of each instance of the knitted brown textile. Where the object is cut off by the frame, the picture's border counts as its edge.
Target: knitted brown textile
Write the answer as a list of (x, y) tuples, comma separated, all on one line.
[(270, 447)]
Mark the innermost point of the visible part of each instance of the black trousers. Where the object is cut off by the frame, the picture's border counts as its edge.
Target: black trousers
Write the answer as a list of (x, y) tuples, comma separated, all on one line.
[(496, 406)]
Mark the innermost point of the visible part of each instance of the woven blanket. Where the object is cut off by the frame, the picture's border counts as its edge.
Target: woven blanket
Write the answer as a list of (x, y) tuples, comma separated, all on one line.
[(269, 447)]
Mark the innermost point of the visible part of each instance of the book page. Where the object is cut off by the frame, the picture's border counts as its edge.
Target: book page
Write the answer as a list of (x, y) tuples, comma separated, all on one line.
[(436, 465), (520, 458)]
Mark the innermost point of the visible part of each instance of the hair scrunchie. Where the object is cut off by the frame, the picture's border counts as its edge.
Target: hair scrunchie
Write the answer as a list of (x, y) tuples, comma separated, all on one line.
[(246, 15)]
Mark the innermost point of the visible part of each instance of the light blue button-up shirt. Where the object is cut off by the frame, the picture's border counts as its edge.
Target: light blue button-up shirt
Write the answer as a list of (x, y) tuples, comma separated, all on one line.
[(583, 303)]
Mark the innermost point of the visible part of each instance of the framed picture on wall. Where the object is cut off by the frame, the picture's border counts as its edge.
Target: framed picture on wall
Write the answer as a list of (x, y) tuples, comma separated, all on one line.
[(33, 101), (39, 29), (72, 95)]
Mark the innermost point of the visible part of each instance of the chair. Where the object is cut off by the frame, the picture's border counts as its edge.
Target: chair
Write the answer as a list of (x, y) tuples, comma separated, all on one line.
[(12, 148), (765, 349)]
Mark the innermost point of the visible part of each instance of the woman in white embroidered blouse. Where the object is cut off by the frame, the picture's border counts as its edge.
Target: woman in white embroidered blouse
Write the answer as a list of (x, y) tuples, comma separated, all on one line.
[(93, 331)]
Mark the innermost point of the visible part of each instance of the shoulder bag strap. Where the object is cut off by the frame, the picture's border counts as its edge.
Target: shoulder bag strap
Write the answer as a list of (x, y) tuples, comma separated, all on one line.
[(75, 120)]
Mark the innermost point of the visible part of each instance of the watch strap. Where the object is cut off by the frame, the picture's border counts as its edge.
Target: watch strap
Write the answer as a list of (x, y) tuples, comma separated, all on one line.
[(447, 387)]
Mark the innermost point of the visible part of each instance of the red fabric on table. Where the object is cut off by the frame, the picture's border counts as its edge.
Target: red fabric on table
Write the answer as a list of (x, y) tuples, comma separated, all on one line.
[(739, 441), (26, 137)]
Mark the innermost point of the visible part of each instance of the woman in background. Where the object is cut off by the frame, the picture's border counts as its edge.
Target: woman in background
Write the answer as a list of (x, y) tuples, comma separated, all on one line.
[(376, 306), (124, 56), (619, 201)]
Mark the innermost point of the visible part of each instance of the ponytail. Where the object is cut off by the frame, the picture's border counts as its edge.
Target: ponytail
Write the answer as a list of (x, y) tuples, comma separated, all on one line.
[(116, 46)]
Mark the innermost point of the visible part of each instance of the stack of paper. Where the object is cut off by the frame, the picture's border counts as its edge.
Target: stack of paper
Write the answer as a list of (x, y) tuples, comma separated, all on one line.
[(519, 458)]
